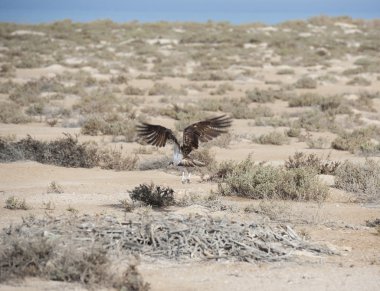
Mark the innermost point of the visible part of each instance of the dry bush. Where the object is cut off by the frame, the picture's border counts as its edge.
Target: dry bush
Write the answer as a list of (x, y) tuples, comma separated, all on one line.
[(131, 90), (317, 143), (101, 100), (154, 164), (165, 89), (359, 81), (353, 141), (54, 187), (274, 137), (30, 92), (301, 160), (306, 83), (315, 120), (361, 179), (156, 196), (111, 124), (258, 181), (222, 89), (211, 201), (261, 96), (293, 131), (66, 152), (15, 203), (12, 113), (33, 254), (285, 72), (115, 160), (307, 99)]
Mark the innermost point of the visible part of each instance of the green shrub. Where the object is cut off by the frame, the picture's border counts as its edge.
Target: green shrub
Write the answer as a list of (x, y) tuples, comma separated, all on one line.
[(156, 196)]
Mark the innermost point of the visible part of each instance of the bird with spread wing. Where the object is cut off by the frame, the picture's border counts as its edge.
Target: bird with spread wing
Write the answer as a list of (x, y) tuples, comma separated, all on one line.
[(201, 131)]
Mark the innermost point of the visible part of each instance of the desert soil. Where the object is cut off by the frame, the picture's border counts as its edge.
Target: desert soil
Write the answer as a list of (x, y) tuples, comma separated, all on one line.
[(339, 222)]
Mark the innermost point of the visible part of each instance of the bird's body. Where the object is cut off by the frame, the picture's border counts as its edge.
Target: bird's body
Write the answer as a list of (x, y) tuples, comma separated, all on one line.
[(201, 131)]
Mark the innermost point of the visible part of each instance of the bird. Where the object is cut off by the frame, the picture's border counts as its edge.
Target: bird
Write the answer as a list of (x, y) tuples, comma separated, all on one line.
[(202, 131)]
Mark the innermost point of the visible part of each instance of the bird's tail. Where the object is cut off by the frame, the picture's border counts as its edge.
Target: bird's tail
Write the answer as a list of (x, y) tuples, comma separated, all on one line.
[(198, 163), (187, 162)]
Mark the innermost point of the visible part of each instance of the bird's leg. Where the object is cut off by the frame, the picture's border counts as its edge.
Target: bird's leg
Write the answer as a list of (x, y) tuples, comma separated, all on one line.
[(183, 180), (188, 176)]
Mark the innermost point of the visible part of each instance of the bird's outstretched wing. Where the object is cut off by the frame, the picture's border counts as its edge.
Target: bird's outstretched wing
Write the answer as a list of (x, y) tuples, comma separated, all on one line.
[(204, 131), (156, 135)]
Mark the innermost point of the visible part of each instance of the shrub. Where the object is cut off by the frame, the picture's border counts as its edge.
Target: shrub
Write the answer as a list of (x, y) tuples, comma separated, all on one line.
[(54, 187), (260, 96), (302, 184), (359, 81), (16, 203), (33, 254), (353, 141), (275, 138), (156, 196), (293, 132), (114, 160), (307, 99), (251, 180), (301, 160), (12, 113), (258, 181), (361, 179), (306, 83), (66, 152), (131, 90)]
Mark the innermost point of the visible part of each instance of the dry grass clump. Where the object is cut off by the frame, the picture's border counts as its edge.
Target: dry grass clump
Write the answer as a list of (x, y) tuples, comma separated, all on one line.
[(285, 71), (361, 179), (26, 254), (259, 181), (15, 203), (306, 83), (274, 137), (302, 160), (156, 196), (12, 113), (353, 141)]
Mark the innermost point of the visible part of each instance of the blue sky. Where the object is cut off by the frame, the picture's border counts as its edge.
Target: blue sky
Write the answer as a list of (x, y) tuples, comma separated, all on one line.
[(235, 11)]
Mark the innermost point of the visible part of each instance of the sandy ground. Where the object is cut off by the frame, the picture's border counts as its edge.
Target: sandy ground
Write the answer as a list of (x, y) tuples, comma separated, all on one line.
[(338, 221)]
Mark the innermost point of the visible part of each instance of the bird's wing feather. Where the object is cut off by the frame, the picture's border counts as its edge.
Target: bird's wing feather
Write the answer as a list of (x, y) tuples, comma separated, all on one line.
[(156, 135), (204, 131)]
